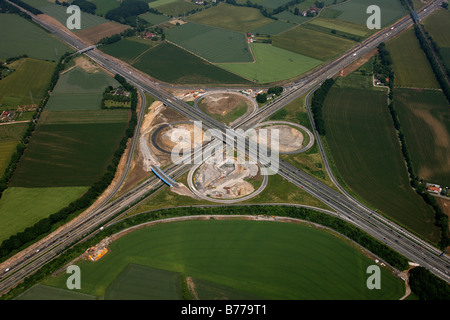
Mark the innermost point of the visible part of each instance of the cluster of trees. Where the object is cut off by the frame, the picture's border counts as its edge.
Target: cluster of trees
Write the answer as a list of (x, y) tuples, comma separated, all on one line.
[(45, 225), (26, 6), (275, 90), (382, 67), (119, 36), (127, 9), (261, 97), (383, 60), (427, 286), (317, 104), (440, 76), (85, 6), (108, 95)]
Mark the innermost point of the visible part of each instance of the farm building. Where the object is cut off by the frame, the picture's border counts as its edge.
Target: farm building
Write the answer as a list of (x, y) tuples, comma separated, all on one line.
[(434, 188)]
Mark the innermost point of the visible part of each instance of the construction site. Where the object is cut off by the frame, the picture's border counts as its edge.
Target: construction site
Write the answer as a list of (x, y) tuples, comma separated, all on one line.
[(226, 178)]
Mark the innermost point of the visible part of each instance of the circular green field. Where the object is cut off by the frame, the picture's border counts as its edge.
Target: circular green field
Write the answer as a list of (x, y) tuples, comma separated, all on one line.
[(235, 259)]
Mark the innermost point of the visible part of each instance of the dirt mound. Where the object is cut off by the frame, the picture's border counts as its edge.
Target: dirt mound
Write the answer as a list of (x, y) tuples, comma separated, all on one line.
[(222, 103)]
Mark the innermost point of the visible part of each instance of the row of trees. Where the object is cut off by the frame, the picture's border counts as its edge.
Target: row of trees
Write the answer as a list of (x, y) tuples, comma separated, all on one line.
[(42, 227), (27, 7), (383, 62), (85, 6), (6, 7), (317, 104), (440, 76)]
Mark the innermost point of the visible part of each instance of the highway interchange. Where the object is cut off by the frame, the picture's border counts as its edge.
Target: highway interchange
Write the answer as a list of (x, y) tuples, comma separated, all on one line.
[(401, 240)]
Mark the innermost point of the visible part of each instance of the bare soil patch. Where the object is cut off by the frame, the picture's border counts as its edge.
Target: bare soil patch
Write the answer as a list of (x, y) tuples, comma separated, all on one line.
[(222, 103), (94, 34), (360, 62)]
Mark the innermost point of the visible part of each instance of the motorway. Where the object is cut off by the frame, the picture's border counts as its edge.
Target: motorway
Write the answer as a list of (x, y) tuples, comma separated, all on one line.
[(346, 207)]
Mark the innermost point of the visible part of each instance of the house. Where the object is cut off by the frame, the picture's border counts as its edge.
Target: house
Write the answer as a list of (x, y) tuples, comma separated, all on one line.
[(433, 188), (150, 35)]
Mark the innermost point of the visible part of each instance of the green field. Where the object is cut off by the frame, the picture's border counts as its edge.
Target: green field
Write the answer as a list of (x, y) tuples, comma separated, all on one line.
[(410, 64), (274, 28), (291, 18), (74, 101), (153, 18), (145, 283), (213, 44), (103, 6), (340, 25), (366, 152), (355, 11), (241, 19), (312, 43), (79, 90), (59, 13), (86, 116), (41, 292), (22, 207), (126, 49), (293, 262), (68, 154), (79, 81), (169, 63), (174, 8), (425, 121), (437, 25), (272, 64), (10, 136), (29, 81), (24, 37)]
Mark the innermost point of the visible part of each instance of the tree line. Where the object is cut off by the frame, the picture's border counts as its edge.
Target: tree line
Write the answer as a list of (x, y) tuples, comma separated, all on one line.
[(45, 225), (383, 62), (6, 7), (427, 286), (440, 76), (317, 101), (27, 7)]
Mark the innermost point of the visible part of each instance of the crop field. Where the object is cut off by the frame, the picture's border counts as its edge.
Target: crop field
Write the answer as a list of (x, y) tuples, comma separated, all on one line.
[(74, 101), (10, 136), (174, 8), (34, 203), (311, 43), (366, 152), (59, 13), (355, 11), (87, 116), (68, 155), (126, 49), (213, 44), (78, 80), (241, 19), (23, 37), (94, 34), (437, 25), (29, 81), (291, 18), (103, 6), (340, 25), (153, 18), (42, 292), (145, 283), (272, 64), (169, 63), (230, 254), (410, 64), (425, 122), (274, 28), (79, 90)]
